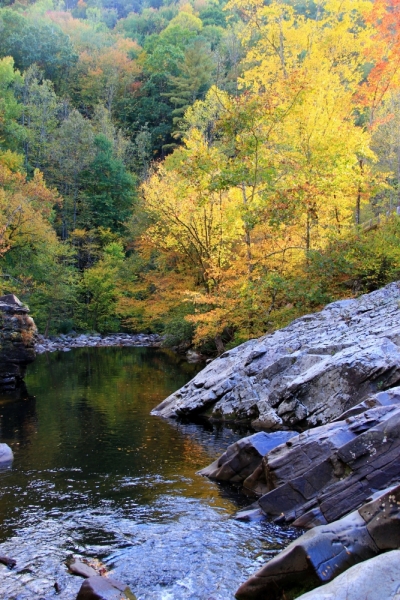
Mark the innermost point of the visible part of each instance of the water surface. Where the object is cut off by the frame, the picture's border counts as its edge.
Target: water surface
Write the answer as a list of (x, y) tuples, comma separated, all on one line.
[(96, 476)]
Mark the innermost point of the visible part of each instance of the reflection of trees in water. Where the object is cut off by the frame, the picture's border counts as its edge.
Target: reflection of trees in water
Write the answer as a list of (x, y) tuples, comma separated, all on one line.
[(86, 367), (89, 436), (95, 403)]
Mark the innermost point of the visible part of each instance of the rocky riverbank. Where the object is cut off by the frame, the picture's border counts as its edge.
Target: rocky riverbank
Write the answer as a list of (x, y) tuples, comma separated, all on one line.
[(65, 343), (333, 376)]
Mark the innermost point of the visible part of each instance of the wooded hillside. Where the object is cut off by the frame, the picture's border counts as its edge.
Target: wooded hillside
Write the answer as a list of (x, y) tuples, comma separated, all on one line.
[(204, 170)]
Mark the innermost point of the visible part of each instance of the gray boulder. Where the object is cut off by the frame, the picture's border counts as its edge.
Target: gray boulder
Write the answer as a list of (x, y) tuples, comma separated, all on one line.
[(375, 579), (243, 457), (306, 374), (6, 455)]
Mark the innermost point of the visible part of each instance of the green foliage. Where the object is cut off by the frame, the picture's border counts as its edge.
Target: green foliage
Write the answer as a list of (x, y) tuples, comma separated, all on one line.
[(98, 292), (109, 188), (37, 42), (178, 331)]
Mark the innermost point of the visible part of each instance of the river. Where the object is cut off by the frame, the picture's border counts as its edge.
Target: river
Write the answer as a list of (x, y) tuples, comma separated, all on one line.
[(96, 476)]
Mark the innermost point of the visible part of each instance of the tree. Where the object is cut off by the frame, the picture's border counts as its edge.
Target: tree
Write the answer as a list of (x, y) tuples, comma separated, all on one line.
[(99, 291), (38, 117), (109, 188), (11, 133), (71, 151), (193, 80)]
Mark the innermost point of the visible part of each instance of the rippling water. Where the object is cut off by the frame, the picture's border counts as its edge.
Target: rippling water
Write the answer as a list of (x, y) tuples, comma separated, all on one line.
[(96, 476)]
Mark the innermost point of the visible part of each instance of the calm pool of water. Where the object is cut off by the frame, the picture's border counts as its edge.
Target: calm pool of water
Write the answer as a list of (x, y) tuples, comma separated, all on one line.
[(96, 476)]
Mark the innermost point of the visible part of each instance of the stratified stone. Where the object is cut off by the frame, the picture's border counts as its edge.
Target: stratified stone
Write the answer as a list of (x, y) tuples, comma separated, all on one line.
[(306, 374), (313, 484), (375, 579), (243, 457)]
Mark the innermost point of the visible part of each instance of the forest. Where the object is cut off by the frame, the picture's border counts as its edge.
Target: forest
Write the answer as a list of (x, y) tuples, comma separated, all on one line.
[(202, 169)]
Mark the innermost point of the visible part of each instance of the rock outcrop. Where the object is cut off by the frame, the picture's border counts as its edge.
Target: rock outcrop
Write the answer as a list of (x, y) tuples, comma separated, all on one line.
[(324, 473), (17, 341), (306, 374)]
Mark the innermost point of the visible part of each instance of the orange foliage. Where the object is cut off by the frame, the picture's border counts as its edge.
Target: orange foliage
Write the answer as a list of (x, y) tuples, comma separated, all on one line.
[(383, 54)]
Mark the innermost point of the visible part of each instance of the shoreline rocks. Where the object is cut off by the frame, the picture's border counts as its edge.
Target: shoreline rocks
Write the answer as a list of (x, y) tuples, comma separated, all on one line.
[(68, 342), (304, 375), (340, 480), (245, 456), (320, 555), (375, 579)]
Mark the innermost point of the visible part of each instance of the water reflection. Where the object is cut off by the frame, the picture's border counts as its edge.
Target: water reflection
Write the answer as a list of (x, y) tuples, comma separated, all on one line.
[(94, 474)]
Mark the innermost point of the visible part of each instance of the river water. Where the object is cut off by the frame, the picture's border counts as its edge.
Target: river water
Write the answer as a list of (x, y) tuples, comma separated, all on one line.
[(95, 476)]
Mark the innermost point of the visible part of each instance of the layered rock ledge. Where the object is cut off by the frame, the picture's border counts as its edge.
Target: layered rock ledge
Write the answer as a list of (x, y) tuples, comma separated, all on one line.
[(306, 374), (17, 342)]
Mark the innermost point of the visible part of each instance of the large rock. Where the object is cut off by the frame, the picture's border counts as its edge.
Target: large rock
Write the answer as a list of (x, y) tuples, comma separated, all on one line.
[(17, 341), (242, 458), (326, 551), (375, 579), (324, 473), (306, 374)]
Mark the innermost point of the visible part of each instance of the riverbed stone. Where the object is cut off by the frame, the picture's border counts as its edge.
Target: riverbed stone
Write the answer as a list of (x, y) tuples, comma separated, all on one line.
[(306, 374), (78, 567), (104, 588), (243, 457), (375, 579), (65, 343)]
